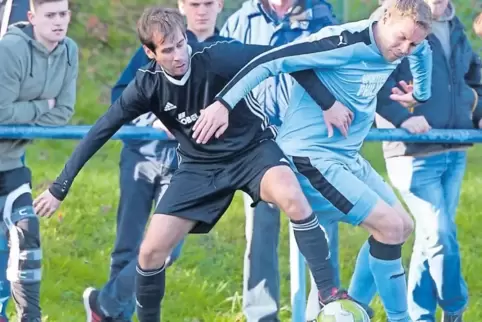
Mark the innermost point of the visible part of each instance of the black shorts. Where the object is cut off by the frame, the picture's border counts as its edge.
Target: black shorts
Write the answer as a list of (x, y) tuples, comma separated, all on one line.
[(203, 192)]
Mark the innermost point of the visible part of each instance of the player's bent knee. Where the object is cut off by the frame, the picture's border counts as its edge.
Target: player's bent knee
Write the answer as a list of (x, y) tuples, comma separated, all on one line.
[(408, 223), (294, 203), (153, 256), (386, 224), (25, 253)]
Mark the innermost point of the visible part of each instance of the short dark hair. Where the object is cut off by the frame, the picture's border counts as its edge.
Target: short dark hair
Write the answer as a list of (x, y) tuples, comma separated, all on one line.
[(162, 21)]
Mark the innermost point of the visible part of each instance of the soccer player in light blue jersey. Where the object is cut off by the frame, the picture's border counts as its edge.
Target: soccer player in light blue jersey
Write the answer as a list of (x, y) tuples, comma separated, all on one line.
[(353, 61)]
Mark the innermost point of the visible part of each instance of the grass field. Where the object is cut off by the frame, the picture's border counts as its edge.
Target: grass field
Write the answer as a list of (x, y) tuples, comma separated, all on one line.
[(206, 283)]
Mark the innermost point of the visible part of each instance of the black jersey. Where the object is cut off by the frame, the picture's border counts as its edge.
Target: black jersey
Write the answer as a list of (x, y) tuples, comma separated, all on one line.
[(177, 102)]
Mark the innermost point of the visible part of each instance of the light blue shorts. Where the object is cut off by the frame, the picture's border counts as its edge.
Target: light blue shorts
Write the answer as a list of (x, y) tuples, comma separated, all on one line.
[(341, 190)]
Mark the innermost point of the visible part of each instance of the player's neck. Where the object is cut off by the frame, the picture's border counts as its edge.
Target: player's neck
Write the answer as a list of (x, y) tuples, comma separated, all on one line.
[(281, 7), (47, 44), (202, 35), (376, 34)]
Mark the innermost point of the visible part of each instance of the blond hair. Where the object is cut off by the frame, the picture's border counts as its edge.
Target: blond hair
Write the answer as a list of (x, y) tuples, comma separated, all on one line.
[(418, 10), (163, 22)]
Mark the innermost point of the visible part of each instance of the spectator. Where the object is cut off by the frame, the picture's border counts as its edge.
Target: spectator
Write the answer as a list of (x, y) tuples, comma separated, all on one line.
[(273, 22), (39, 68), (429, 176), (8, 15), (146, 168)]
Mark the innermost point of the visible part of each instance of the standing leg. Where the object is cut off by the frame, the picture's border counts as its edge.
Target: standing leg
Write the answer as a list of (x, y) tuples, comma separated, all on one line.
[(194, 201), (261, 271), (163, 234), (137, 187), (454, 300), (24, 266)]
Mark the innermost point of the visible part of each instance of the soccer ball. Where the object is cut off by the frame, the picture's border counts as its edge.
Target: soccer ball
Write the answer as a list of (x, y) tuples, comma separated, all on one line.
[(343, 311)]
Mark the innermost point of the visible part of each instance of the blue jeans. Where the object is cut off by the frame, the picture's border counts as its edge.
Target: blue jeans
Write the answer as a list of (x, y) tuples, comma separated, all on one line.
[(261, 285), (142, 183), (430, 186)]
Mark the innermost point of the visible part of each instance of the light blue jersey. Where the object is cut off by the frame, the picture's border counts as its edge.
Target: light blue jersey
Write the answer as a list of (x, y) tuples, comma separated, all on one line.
[(348, 62)]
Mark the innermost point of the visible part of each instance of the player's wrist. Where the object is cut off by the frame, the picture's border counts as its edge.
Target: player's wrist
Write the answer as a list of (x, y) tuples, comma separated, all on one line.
[(224, 103), (57, 191), (328, 103), (418, 100)]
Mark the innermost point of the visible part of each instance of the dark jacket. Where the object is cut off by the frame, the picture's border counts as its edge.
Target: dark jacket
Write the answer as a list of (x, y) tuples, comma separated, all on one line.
[(455, 101)]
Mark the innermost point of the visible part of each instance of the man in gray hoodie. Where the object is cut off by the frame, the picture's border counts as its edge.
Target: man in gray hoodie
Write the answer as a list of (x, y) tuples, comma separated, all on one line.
[(429, 176), (38, 69)]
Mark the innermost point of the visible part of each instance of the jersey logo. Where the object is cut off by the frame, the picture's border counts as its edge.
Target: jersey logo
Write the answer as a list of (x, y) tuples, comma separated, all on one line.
[(371, 84), (169, 107), (342, 41), (185, 120)]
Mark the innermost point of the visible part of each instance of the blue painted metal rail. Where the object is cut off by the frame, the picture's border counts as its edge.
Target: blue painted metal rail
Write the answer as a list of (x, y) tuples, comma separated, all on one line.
[(297, 265)]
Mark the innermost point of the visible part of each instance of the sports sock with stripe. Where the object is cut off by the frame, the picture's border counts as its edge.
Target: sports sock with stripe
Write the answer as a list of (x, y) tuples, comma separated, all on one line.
[(313, 244), (150, 286)]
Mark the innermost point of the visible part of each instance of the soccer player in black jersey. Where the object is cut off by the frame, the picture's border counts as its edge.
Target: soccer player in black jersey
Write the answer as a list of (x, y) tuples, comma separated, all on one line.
[(176, 86)]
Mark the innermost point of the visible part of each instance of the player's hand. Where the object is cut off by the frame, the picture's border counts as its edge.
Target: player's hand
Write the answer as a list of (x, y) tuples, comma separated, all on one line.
[(416, 124), (338, 116), (46, 204), (51, 103), (160, 126), (213, 121), (478, 25), (404, 96), (480, 124)]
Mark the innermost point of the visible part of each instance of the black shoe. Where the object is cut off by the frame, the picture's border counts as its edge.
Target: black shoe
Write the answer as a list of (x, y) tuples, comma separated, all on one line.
[(92, 310), (340, 294)]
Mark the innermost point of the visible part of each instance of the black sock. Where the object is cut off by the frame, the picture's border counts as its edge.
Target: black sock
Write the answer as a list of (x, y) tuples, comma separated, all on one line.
[(149, 293), (313, 244)]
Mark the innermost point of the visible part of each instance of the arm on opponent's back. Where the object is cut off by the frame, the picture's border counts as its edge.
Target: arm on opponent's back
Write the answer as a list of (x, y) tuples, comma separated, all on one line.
[(131, 104), (227, 58), (321, 50), (231, 56), (421, 67)]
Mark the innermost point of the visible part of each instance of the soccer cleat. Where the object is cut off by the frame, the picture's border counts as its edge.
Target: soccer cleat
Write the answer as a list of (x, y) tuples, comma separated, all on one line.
[(340, 294), (91, 306), (452, 317)]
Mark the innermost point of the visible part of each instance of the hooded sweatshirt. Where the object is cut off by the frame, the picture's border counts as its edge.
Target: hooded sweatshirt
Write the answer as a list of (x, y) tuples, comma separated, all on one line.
[(30, 76)]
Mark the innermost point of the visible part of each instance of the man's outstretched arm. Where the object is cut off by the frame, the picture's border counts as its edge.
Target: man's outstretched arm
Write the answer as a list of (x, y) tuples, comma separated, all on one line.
[(131, 104), (329, 47)]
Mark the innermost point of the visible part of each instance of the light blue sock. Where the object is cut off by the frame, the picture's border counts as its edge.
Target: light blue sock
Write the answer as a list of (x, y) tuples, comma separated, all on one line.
[(386, 265), (362, 286)]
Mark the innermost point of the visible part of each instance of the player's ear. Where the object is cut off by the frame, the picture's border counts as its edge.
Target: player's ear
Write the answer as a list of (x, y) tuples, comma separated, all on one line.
[(180, 5), (220, 5), (31, 17), (149, 52)]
